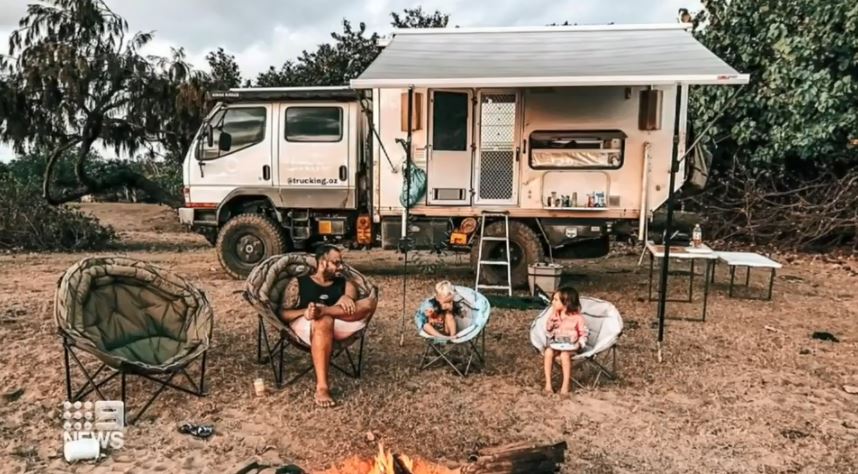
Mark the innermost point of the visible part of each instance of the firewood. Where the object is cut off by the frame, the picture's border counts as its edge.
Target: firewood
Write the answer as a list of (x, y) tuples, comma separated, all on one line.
[(518, 458)]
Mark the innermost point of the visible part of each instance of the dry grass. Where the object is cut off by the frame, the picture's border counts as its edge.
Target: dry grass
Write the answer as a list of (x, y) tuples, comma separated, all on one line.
[(731, 395)]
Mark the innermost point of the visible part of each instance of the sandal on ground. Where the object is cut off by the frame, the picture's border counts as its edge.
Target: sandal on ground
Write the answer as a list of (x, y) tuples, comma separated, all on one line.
[(197, 431)]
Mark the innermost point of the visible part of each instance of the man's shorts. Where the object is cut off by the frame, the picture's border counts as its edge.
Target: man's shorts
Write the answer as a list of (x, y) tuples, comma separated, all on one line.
[(342, 329)]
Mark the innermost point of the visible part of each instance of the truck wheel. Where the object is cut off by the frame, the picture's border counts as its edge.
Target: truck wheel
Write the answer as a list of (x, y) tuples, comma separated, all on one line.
[(524, 248), (246, 240)]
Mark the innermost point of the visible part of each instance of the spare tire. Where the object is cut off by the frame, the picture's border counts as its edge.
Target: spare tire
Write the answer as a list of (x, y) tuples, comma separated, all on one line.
[(524, 246), (246, 240)]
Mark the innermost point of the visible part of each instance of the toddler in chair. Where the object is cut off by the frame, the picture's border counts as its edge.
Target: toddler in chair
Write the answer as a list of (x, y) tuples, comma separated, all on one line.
[(442, 315), (567, 333)]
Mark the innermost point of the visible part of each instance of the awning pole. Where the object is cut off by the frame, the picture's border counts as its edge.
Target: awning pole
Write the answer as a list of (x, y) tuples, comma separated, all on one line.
[(405, 242), (674, 164)]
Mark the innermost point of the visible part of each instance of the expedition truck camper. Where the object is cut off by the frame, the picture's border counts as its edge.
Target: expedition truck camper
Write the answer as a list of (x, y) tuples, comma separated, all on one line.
[(567, 132)]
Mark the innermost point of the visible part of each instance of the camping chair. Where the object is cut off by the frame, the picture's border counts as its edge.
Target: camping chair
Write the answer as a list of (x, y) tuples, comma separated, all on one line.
[(272, 287), (604, 324), (136, 319), (473, 320)]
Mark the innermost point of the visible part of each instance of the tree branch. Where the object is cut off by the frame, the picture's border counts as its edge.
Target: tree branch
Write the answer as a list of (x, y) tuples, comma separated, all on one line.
[(49, 171)]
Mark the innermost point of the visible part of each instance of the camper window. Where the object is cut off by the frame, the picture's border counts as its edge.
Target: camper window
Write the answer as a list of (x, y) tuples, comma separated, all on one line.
[(314, 124), (450, 121), (245, 125), (577, 149)]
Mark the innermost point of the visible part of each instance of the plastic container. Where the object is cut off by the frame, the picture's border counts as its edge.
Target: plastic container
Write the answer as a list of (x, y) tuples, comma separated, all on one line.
[(544, 275), (81, 449)]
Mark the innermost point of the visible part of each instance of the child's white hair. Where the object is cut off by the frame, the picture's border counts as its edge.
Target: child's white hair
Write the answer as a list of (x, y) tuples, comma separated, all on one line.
[(444, 289)]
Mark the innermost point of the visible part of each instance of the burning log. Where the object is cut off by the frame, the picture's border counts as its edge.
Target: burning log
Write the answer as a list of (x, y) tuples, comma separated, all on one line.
[(521, 458), (517, 458)]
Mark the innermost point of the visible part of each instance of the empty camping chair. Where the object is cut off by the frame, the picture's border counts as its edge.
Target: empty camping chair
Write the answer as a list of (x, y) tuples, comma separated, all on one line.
[(604, 324), (470, 339), (272, 287), (136, 319)]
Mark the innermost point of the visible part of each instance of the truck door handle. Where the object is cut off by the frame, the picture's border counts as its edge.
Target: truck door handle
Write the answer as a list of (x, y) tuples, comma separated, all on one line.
[(266, 172), (344, 173)]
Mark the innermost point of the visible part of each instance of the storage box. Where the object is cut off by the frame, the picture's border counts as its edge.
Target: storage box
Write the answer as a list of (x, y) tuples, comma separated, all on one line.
[(544, 275)]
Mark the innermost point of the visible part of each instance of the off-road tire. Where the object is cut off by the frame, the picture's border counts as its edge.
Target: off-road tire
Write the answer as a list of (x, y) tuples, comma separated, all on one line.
[(520, 235), (260, 232)]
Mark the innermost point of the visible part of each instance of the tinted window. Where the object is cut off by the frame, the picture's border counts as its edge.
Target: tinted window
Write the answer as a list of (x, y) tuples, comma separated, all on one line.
[(314, 124), (245, 125), (450, 121)]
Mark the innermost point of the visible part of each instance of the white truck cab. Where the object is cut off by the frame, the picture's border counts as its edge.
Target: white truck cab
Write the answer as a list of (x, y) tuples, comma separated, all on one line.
[(266, 162)]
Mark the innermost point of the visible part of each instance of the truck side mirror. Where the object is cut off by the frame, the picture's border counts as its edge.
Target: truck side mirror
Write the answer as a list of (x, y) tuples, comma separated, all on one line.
[(224, 142)]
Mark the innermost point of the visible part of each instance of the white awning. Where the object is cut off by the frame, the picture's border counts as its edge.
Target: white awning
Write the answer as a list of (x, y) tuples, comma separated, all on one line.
[(619, 55)]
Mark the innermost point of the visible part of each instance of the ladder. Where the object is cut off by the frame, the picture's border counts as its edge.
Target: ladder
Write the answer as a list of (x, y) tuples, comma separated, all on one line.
[(299, 226), (506, 263)]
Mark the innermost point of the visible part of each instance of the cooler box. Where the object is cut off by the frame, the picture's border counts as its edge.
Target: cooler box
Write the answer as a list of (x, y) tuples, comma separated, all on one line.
[(544, 275)]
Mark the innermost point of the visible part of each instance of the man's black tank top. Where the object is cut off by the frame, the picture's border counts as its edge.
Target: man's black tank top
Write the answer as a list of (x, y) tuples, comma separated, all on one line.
[(311, 292)]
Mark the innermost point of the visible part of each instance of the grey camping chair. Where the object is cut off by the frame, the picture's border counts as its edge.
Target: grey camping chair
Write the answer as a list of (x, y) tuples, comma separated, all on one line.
[(271, 287), (136, 319)]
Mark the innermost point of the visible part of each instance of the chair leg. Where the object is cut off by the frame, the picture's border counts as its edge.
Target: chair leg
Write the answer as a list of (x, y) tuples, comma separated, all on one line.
[(259, 330), (164, 385), (90, 379), (68, 371), (203, 375), (360, 354), (282, 345)]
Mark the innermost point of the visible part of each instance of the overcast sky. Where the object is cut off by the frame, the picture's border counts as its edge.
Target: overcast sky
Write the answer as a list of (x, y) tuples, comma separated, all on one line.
[(261, 33)]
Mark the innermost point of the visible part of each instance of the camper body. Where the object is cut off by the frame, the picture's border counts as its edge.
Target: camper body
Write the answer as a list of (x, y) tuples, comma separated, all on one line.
[(569, 160)]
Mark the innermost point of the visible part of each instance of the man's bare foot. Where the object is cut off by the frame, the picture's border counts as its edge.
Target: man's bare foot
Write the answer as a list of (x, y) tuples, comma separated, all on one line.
[(323, 399), (548, 389), (564, 390)]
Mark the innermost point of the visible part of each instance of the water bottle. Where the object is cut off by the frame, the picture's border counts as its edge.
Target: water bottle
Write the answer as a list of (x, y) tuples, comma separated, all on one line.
[(697, 236)]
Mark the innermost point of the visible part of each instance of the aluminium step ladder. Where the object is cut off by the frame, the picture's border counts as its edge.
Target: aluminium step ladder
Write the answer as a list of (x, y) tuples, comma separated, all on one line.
[(506, 263)]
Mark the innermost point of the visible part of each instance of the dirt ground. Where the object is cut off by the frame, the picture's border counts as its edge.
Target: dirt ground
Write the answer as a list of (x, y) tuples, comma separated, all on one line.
[(749, 390)]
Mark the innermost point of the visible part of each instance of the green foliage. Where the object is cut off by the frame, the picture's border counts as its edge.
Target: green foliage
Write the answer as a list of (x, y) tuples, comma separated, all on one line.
[(416, 18), (801, 108), (225, 73), (27, 222), (352, 50)]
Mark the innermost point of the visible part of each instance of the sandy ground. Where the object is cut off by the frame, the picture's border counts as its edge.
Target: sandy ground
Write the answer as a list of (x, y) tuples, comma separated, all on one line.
[(749, 390)]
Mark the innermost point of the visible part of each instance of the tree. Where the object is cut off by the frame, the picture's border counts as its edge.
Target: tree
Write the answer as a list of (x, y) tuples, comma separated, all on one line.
[(350, 54), (331, 64), (75, 77), (416, 18), (784, 170), (225, 72), (801, 108)]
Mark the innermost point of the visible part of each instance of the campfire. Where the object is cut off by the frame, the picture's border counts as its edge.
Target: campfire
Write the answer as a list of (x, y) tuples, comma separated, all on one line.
[(386, 462), (511, 459)]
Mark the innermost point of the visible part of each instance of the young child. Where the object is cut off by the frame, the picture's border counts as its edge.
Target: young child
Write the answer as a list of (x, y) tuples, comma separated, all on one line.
[(567, 333), (442, 315)]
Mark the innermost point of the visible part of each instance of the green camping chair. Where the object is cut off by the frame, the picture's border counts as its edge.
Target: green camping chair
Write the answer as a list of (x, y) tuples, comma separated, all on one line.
[(271, 287), (136, 319)]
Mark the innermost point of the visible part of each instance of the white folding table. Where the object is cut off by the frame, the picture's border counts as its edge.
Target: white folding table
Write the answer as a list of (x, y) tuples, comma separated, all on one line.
[(690, 254), (748, 260)]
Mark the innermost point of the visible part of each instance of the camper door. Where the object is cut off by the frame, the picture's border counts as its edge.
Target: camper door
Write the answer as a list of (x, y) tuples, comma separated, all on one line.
[(449, 153)]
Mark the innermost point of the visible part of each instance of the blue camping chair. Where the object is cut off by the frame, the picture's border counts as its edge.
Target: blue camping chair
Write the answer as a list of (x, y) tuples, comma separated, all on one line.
[(469, 340)]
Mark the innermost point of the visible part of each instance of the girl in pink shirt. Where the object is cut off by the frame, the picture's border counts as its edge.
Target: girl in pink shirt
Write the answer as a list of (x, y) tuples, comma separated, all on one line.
[(567, 333)]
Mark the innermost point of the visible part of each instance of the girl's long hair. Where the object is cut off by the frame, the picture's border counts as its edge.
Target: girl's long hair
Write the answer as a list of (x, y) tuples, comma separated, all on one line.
[(569, 297)]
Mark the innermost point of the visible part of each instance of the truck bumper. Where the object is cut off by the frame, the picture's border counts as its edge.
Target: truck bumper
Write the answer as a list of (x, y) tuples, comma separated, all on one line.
[(186, 216)]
